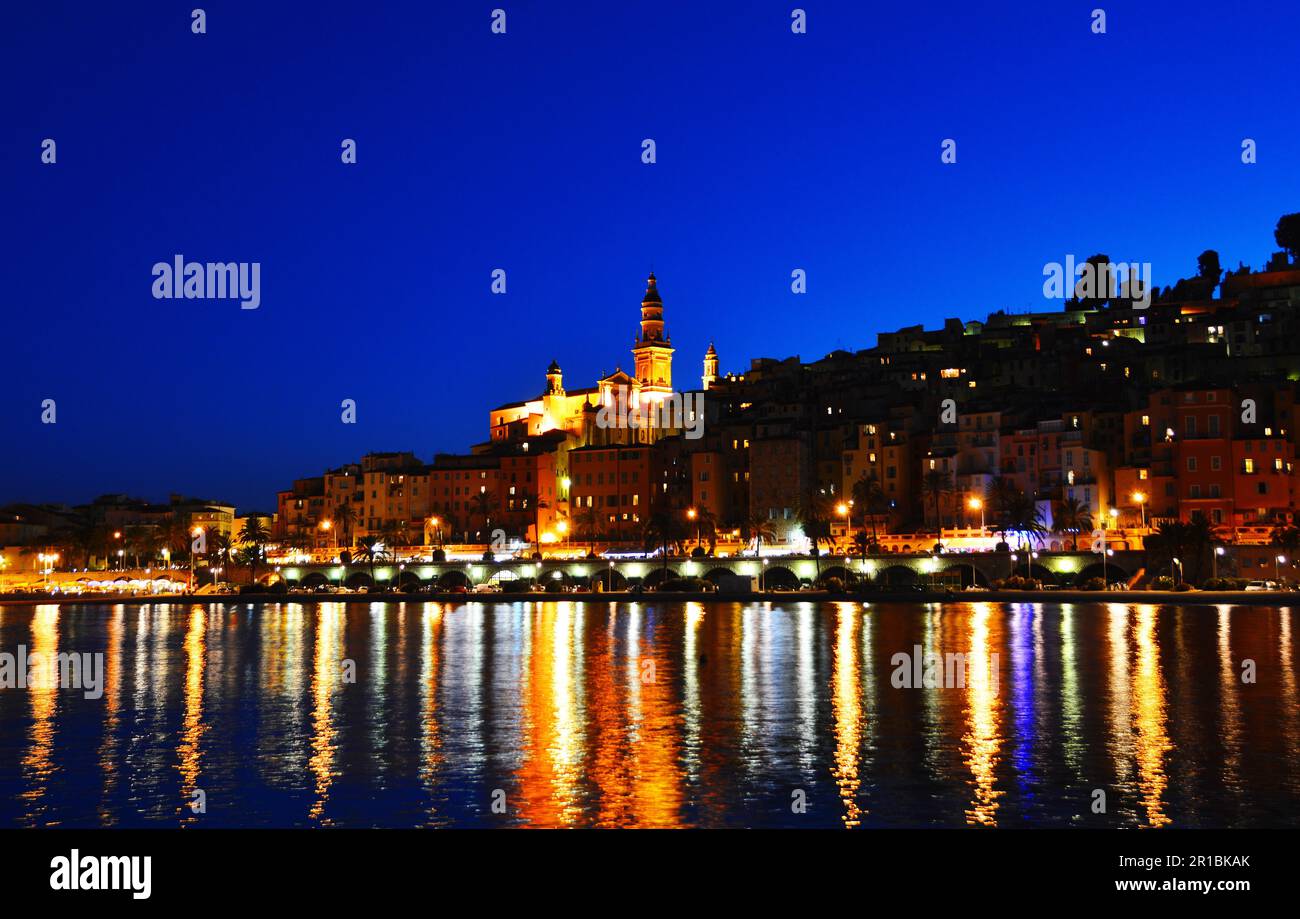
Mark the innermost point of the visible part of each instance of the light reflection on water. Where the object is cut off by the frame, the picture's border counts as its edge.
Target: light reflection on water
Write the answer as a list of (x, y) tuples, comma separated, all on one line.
[(651, 714)]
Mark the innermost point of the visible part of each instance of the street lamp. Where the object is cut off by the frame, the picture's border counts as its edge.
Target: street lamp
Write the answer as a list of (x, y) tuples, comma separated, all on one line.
[(1179, 563), (1214, 560), (1278, 560), (976, 504), (196, 533), (692, 515), (843, 510), (1141, 500)]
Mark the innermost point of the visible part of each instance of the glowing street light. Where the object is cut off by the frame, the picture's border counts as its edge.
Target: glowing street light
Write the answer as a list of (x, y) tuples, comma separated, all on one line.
[(196, 533), (1141, 500), (977, 504)]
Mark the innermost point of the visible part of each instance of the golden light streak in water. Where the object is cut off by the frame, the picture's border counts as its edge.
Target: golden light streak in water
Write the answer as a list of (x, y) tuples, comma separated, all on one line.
[(982, 739), (189, 751), (1120, 742), (610, 768), (1151, 740), (1071, 705), (931, 714), (807, 616), (691, 690), (112, 713), (1229, 703), (656, 744), (846, 710), (1290, 704), (431, 757), (283, 744), (38, 764), (326, 677), (551, 767), (377, 682)]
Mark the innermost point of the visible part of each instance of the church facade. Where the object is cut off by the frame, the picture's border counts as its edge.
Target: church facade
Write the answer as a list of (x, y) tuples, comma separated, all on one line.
[(576, 412)]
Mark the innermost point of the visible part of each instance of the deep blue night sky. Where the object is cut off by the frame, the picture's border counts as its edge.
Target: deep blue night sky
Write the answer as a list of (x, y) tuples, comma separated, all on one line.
[(476, 151)]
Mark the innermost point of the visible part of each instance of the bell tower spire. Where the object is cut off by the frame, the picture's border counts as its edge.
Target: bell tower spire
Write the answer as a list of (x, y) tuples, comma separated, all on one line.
[(653, 350)]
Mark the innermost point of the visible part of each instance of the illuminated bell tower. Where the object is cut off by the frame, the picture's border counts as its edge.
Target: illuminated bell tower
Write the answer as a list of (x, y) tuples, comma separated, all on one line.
[(553, 400), (653, 350), (710, 367)]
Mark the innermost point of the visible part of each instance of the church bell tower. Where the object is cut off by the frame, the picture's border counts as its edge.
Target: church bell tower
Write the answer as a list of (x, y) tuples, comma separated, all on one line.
[(653, 350)]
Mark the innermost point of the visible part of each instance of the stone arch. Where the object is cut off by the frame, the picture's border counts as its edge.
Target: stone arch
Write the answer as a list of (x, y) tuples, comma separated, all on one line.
[(556, 578), (969, 575), (359, 579), (408, 579), (898, 576), (837, 571), (778, 577), (454, 577), (1037, 572), (1113, 573), (715, 575), (656, 577), (609, 579), (314, 579)]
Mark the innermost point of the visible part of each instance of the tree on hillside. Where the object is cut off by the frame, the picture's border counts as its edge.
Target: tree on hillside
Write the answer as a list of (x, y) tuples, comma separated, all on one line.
[(1207, 265), (1287, 234)]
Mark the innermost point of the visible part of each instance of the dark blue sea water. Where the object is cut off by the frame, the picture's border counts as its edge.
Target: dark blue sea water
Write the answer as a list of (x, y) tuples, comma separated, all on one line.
[(655, 714)]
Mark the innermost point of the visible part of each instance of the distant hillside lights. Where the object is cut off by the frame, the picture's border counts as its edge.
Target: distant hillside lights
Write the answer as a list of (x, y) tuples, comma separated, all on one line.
[(625, 409), (1099, 280), (209, 281)]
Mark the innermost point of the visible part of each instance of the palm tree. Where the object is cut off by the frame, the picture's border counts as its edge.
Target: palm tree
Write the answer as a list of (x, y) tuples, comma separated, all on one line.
[(936, 484), (1000, 497), (394, 533), (78, 541), (222, 547), (757, 529), (254, 536), (870, 496), (482, 503), (706, 526), (539, 505), (303, 539), (589, 523), (367, 551), (663, 526), (1024, 517), (814, 519), (137, 543), (1073, 518), (345, 516), (176, 536)]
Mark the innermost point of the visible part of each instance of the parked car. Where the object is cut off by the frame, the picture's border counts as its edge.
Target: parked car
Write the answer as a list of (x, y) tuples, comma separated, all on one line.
[(1261, 585)]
